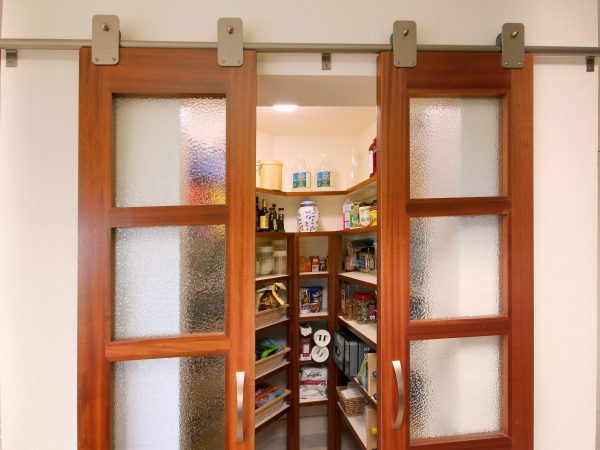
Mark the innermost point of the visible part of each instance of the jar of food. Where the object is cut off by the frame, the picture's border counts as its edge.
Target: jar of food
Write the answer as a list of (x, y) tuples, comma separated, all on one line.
[(361, 307), (373, 213), (280, 257), (266, 260), (364, 214)]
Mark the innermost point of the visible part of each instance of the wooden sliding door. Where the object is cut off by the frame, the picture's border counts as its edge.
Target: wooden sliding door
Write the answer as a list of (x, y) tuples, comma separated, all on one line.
[(166, 251), (456, 279)]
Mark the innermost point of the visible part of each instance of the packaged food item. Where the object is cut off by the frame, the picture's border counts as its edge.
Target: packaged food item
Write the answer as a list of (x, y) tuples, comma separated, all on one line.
[(373, 213), (305, 342), (304, 295), (314, 264), (264, 393), (322, 264), (269, 297), (346, 212), (316, 298), (364, 212), (346, 305), (313, 383)]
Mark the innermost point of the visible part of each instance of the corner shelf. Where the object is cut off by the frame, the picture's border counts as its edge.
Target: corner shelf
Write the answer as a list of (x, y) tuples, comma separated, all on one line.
[(364, 393), (271, 278), (353, 189), (313, 402), (313, 274), (366, 331), (367, 280), (312, 317), (272, 418), (357, 426), (282, 321), (361, 230), (272, 372)]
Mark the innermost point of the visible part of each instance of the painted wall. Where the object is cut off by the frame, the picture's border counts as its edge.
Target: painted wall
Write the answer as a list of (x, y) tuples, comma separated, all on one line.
[(38, 186)]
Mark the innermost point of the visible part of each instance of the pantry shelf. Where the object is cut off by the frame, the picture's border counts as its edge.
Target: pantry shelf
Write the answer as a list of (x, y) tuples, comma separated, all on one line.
[(272, 372), (273, 234), (357, 426), (282, 321), (368, 184), (364, 393), (311, 317), (313, 402), (271, 278), (272, 418), (366, 331), (368, 280), (313, 274), (362, 230)]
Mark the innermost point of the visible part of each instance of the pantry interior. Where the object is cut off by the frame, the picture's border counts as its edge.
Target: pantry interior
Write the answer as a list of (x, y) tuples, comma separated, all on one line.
[(334, 119)]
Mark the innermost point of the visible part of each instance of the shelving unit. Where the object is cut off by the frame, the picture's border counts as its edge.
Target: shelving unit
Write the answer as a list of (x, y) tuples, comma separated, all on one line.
[(330, 318)]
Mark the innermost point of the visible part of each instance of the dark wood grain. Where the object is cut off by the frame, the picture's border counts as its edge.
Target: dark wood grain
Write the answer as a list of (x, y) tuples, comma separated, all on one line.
[(479, 441), (458, 206), (452, 328)]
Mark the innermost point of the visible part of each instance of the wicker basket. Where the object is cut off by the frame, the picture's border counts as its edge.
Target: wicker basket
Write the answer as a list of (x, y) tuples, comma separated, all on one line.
[(270, 316), (270, 408), (353, 406), (270, 362)]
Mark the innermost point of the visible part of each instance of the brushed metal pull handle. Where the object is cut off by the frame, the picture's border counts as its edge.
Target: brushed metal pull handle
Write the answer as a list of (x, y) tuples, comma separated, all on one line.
[(400, 383), (239, 380)]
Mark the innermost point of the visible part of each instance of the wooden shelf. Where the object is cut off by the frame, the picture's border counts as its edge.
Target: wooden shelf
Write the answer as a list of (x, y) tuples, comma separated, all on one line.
[(364, 393), (272, 418), (368, 280), (312, 317), (314, 274), (312, 363), (353, 189), (272, 372), (271, 278), (302, 234), (361, 230), (357, 426), (313, 402), (282, 321), (366, 331), (273, 234)]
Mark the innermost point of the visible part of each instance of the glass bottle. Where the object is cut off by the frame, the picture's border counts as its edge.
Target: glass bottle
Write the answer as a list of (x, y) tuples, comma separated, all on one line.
[(280, 220), (264, 217)]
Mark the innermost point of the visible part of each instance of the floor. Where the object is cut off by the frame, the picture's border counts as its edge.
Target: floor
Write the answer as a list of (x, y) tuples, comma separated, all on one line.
[(309, 442)]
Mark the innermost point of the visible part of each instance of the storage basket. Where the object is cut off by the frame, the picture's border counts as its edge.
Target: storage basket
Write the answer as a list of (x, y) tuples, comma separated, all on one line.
[(270, 408), (270, 362), (270, 316), (353, 406)]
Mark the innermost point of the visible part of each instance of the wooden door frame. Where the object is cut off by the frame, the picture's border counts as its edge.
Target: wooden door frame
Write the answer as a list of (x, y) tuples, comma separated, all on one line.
[(457, 74), (149, 72)]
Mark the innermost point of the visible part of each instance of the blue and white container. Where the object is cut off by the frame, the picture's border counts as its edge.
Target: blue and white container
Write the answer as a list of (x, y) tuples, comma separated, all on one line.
[(308, 216)]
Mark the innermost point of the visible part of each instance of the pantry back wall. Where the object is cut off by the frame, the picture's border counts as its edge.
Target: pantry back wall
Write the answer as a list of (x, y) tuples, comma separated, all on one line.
[(38, 185)]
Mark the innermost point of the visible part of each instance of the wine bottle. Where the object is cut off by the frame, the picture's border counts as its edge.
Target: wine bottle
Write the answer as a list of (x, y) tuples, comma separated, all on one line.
[(264, 217)]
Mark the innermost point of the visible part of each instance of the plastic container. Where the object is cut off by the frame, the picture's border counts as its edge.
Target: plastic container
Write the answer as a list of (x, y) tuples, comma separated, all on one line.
[(269, 173), (266, 260), (361, 307), (301, 175), (308, 216), (324, 174), (280, 264), (364, 213)]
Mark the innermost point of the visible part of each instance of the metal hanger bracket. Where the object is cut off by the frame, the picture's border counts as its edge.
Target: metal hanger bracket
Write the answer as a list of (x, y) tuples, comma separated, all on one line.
[(11, 58), (404, 43), (105, 40), (230, 42), (512, 42)]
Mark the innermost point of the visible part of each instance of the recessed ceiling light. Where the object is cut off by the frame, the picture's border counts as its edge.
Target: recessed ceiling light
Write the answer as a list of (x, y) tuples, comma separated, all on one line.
[(285, 108)]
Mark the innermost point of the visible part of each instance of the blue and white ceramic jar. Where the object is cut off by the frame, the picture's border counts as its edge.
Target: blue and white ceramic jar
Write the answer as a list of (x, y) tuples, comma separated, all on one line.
[(308, 216)]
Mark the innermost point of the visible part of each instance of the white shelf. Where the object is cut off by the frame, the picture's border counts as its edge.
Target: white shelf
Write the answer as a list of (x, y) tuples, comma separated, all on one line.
[(283, 319), (268, 277), (274, 369), (366, 331), (314, 274), (370, 278), (323, 314), (266, 419), (359, 426)]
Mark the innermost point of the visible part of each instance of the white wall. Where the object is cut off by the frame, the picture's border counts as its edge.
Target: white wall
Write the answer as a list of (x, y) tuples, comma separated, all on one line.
[(38, 186)]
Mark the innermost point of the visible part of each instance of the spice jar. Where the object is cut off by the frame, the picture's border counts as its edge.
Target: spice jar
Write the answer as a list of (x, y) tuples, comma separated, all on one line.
[(361, 307)]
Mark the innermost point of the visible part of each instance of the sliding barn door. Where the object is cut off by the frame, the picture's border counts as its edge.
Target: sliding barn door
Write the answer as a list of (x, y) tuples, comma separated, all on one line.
[(456, 202), (166, 254)]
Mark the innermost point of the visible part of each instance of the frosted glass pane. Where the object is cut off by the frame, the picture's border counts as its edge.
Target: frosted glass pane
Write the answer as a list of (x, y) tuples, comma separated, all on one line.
[(175, 403), (454, 267), (169, 151), (454, 147), (455, 386), (169, 281)]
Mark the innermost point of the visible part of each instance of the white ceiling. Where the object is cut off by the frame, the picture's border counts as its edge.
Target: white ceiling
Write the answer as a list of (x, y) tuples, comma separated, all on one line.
[(315, 120)]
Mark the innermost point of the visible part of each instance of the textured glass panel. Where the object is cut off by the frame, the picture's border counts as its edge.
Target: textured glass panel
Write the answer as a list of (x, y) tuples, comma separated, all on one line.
[(169, 281), (169, 151), (455, 386), (175, 403), (454, 267), (454, 147)]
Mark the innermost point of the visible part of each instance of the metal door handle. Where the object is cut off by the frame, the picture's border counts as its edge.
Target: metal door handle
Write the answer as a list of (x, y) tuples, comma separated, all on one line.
[(239, 380), (400, 383)]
